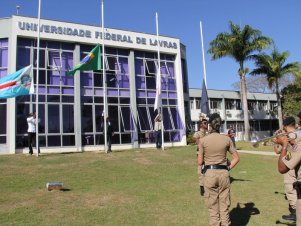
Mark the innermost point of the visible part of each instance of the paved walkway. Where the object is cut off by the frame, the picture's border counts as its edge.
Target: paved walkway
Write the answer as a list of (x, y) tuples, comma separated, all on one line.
[(258, 152)]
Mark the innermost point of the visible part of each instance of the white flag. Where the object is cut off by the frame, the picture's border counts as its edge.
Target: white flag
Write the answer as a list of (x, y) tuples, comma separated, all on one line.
[(158, 100)]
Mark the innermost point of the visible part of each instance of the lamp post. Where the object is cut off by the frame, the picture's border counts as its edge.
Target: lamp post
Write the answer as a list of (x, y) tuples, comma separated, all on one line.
[(18, 7)]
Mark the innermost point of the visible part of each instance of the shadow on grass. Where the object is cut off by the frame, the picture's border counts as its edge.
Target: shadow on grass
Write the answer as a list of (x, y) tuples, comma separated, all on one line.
[(241, 214), (232, 179), (65, 189), (284, 223)]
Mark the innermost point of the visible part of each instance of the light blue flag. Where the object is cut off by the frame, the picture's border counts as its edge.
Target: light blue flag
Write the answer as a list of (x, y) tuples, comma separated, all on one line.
[(16, 84)]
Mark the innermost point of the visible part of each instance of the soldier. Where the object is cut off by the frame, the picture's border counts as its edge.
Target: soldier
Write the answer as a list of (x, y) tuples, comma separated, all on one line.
[(290, 158), (196, 137), (213, 150), (289, 125)]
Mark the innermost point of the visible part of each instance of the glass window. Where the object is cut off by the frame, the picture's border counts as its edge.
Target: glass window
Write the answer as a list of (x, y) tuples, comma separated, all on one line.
[(127, 119), (151, 67), (53, 118), (215, 103), (229, 104), (251, 105), (68, 119), (112, 63), (143, 119), (3, 117), (54, 59), (87, 116), (176, 118)]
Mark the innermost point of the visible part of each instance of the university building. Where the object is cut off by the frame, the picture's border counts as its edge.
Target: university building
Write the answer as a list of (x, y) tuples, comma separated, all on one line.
[(71, 107), (262, 109)]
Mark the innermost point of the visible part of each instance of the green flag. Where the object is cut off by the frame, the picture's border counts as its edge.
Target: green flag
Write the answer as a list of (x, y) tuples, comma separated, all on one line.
[(91, 62)]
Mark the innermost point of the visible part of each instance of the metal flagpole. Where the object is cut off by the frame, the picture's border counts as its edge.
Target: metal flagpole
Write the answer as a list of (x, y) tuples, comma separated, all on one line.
[(159, 74), (104, 83), (37, 80), (203, 54)]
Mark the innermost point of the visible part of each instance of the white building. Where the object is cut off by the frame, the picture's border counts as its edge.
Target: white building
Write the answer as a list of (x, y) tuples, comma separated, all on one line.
[(70, 107), (262, 111)]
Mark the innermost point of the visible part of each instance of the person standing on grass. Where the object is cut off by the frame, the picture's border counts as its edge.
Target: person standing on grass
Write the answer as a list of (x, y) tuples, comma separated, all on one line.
[(232, 134), (213, 150), (289, 125), (203, 128), (290, 159), (31, 122)]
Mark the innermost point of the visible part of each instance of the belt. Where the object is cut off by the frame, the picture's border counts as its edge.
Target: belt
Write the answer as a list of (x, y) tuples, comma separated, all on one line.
[(206, 167)]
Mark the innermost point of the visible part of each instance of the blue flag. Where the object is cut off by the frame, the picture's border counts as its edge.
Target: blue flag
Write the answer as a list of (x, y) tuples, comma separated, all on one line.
[(204, 100), (16, 84)]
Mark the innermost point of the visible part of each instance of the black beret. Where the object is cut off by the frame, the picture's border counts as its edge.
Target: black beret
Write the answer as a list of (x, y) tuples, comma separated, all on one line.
[(289, 121)]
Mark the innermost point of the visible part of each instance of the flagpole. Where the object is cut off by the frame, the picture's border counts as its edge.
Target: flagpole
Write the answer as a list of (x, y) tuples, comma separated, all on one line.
[(203, 53), (104, 84), (159, 74), (37, 80)]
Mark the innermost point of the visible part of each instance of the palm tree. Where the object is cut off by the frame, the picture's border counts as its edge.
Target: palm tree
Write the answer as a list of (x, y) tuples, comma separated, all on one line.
[(240, 44), (274, 68)]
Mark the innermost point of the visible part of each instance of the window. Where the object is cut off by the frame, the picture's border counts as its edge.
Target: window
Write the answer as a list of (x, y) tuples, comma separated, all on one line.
[(262, 105), (54, 59), (197, 104), (143, 117), (215, 103), (151, 66), (191, 104), (112, 63), (238, 105), (229, 104), (251, 105), (127, 119)]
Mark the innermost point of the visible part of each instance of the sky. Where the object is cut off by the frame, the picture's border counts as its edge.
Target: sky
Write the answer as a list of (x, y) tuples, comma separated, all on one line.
[(277, 19)]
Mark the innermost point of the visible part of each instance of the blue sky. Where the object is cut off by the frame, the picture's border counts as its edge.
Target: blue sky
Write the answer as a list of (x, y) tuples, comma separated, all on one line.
[(277, 19)]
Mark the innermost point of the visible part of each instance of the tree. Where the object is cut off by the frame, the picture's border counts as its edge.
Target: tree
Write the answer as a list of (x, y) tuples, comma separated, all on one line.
[(240, 44), (274, 67), (291, 98), (259, 83)]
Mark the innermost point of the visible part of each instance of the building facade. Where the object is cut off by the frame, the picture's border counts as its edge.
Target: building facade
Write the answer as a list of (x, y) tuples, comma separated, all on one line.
[(262, 111), (71, 107)]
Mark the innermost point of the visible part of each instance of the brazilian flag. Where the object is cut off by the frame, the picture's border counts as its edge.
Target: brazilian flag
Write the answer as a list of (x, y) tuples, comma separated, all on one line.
[(92, 61)]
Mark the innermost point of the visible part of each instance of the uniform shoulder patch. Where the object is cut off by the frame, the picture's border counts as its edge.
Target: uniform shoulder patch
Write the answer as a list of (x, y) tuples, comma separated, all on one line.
[(288, 156)]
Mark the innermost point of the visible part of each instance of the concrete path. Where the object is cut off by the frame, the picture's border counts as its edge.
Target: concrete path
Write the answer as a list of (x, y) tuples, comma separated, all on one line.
[(258, 152)]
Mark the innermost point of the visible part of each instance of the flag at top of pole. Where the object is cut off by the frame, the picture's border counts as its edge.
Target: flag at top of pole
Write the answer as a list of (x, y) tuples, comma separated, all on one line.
[(18, 83), (92, 61)]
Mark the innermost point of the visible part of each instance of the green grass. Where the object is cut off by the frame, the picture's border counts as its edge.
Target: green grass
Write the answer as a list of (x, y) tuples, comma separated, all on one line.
[(144, 187), (244, 145)]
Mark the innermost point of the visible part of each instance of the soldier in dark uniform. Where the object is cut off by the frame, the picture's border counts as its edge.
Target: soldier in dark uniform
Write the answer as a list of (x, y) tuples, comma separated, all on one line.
[(213, 150)]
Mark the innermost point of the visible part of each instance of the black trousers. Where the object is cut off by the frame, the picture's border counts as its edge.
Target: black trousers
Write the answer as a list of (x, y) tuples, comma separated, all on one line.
[(32, 142), (158, 138), (109, 139)]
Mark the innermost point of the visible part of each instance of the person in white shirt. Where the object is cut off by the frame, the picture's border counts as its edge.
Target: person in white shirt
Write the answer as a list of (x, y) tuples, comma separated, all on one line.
[(31, 122)]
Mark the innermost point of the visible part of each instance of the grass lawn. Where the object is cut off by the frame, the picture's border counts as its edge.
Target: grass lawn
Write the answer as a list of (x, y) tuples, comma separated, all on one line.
[(144, 187)]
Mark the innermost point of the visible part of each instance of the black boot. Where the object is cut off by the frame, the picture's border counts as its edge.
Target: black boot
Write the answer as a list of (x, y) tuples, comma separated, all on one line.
[(291, 216), (202, 190)]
